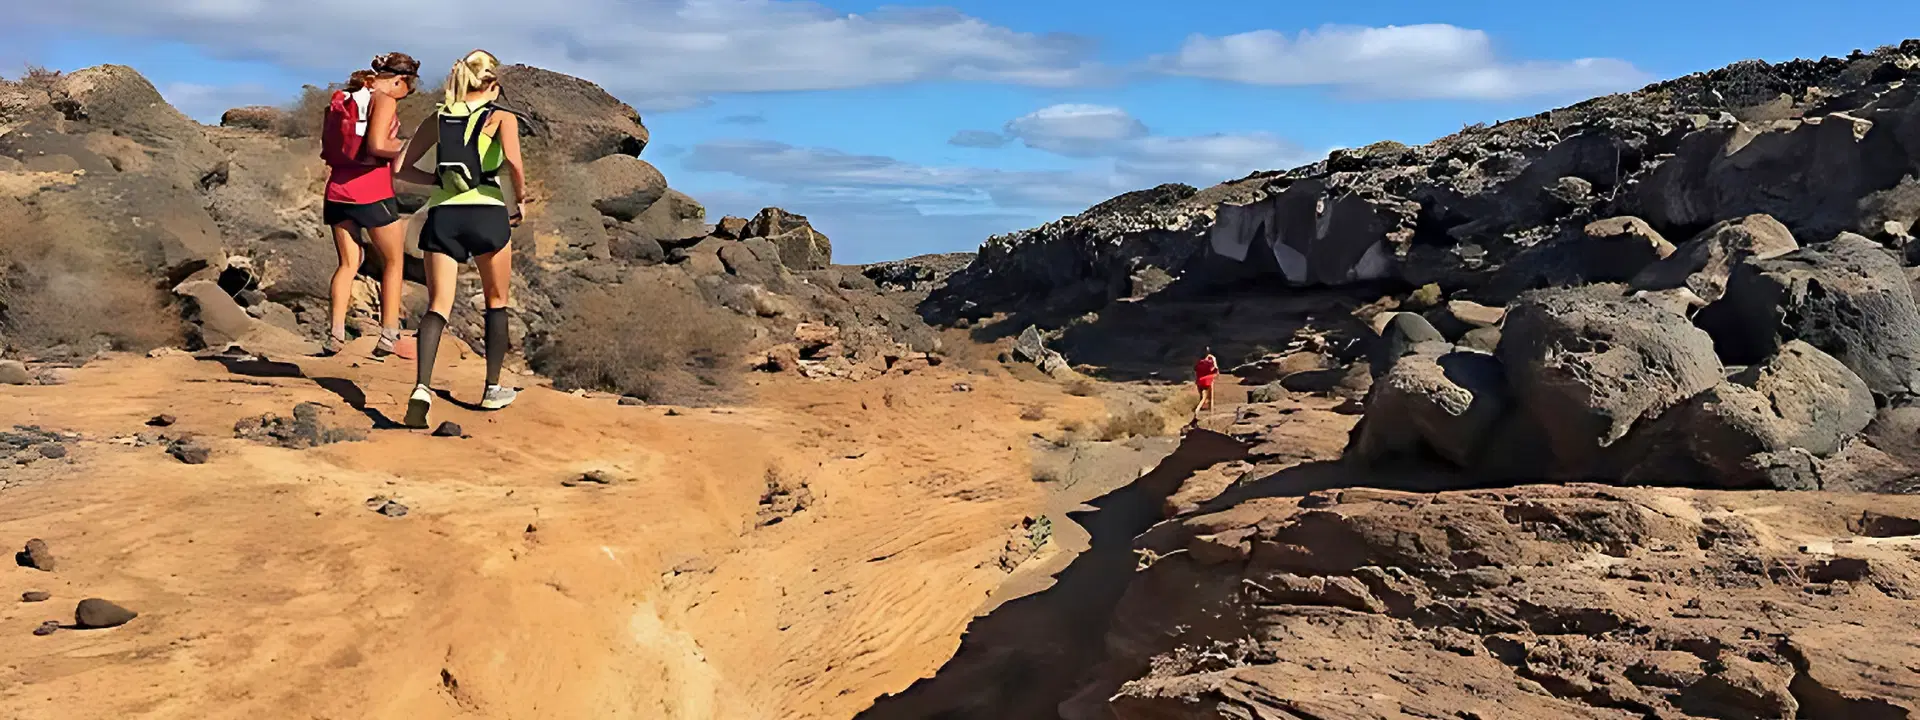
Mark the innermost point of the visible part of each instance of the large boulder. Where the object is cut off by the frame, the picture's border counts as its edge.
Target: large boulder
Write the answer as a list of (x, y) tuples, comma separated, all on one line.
[(801, 246), (671, 221), (1448, 404), (626, 185), (118, 98), (1587, 365), (1703, 264), (220, 320), (1736, 435), (1455, 318), (572, 118), (1401, 334), (1848, 297), (163, 227), (254, 117)]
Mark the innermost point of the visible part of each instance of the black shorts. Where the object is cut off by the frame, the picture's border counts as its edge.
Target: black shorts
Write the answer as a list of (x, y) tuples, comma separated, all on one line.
[(371, 215), (464, 232)]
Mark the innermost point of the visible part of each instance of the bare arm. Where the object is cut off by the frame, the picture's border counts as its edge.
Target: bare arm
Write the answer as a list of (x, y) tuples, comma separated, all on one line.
[(417, 145), (380, 143), (509, 137)]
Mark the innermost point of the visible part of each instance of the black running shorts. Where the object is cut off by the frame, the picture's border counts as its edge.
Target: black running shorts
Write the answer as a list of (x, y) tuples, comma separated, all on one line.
[(371, 215), (464, 232)]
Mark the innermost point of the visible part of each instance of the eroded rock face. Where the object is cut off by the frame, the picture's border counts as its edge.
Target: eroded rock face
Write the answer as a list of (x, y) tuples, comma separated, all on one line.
[(1316, 237), (1848, 297), (1369, 603), (1587, 366)]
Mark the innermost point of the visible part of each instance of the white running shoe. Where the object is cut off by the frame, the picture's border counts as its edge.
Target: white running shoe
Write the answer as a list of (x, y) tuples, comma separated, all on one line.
[(498, 397), (418, 405)]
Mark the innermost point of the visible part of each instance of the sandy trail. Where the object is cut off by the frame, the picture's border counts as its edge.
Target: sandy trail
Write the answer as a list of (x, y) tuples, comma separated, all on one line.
[(267, 588)]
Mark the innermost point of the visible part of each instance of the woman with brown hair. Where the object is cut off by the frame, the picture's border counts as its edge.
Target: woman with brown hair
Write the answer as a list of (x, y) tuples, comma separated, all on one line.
[(469, 216), (361, 143)]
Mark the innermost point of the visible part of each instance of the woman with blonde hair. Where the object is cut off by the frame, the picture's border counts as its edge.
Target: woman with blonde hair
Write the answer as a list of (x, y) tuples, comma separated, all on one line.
[(469, 217), (360, 142)]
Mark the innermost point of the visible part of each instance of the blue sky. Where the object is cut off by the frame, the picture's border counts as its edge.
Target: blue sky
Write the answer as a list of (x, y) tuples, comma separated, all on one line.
[(904, 128)]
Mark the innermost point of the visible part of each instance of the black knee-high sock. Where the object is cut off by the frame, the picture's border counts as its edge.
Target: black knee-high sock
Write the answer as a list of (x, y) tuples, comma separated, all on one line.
[(432, 325), (496, 343)]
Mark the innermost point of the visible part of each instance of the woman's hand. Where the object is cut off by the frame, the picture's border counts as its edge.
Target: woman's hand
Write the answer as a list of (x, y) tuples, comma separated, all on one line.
[(513, 219)]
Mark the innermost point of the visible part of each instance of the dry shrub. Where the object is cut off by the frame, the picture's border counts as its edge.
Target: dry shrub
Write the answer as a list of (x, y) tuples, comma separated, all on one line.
[(1033, 413), (1146, 422), (1047, 474), (40, 78), (650, 341), (307, 113), (1082, 387), (59, 289)]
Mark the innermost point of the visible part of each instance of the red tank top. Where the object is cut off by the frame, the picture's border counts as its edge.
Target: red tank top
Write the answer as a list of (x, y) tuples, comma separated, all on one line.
[(358, 184)]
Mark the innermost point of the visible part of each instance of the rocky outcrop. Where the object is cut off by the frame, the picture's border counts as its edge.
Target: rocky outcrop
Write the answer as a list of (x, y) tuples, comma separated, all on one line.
[(572, 118), (222, 232), (1576, 195), (1590, 384), (801, 246), (1528, 602)]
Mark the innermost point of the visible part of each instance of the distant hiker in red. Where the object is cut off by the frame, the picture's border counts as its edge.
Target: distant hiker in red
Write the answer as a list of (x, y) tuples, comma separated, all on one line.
[(361, 143), (1204, 373)]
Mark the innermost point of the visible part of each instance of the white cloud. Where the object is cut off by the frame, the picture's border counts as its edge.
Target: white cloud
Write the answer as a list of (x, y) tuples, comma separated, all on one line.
[(1077, 130), (653, 53), (1411, 61), (206, 103), (1140, 157)]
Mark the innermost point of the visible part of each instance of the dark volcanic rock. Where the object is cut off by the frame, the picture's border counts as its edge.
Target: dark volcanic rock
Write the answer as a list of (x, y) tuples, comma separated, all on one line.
[(189, 451), (306, 429), (98, 614), (34, 596), (1704, 263), (37, 556), (1446, 404), (447, 429), (1848, 297), (1586, 366)]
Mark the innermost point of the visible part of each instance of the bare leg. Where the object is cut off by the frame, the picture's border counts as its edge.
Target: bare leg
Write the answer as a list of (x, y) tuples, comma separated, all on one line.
[(341, 291), (496, 276), (391, 243)]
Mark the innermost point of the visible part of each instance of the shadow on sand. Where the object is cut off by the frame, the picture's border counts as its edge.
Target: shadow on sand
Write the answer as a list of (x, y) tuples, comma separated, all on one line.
[(348, 391), (1024, 658)]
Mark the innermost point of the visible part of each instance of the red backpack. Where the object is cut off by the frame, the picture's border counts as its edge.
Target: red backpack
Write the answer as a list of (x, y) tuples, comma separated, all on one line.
[(343, 137)]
